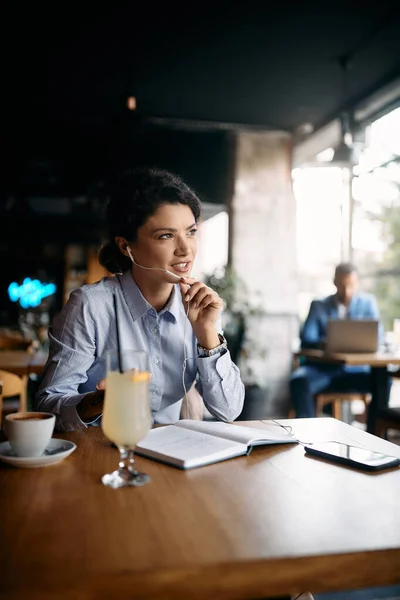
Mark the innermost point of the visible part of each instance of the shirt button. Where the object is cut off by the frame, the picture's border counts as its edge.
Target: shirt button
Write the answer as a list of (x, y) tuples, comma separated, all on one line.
[(155, 360), (228, 389), (154, 330)]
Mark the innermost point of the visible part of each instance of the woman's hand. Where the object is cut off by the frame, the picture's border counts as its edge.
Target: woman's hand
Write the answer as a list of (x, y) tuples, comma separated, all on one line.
[(91, 406), (204, 310)]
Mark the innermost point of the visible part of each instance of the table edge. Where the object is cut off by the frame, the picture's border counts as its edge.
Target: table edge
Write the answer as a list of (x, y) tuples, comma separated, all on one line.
[(279, 576)]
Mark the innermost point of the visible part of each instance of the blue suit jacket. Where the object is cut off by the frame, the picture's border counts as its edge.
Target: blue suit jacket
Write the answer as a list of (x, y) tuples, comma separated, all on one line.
[(313, 334)]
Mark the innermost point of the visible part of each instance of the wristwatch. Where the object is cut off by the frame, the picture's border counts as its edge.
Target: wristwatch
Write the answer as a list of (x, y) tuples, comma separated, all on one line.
[(204, 352)]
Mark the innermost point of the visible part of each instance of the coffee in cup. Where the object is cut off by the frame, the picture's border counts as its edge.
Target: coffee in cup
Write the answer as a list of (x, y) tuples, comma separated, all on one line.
[(29, 432)]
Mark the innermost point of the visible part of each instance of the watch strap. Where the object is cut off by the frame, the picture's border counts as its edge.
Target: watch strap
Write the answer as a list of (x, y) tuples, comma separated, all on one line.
[(206, 352)]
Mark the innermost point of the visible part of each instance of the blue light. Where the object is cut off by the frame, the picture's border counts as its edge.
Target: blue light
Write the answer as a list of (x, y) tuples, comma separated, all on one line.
[(13, 291), (31, 292)]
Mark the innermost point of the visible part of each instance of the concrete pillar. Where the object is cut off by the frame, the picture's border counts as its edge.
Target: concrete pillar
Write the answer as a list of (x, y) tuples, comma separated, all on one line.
[(263, 254)]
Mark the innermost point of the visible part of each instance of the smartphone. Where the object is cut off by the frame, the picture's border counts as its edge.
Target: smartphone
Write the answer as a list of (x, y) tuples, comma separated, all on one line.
[(352, 456)]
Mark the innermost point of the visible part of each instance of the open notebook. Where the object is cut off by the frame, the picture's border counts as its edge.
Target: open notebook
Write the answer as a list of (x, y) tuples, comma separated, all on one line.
[(189, 444)]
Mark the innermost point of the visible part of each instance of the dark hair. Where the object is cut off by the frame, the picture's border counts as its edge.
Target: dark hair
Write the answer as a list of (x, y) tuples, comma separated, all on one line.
[(136, 196), (345, 268)]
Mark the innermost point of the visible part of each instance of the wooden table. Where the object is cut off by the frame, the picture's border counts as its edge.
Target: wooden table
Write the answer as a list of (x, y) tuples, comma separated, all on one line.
[(272, 523), (378, 362), (21, 362)]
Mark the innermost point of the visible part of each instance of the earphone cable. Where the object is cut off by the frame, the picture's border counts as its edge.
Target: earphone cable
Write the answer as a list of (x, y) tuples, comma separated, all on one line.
[(185, 359), (288, 429), (185, 401)]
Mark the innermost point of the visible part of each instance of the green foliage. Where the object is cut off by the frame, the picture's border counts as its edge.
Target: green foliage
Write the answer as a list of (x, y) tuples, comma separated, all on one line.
[(230, 288), (387, 280), (245, 348)]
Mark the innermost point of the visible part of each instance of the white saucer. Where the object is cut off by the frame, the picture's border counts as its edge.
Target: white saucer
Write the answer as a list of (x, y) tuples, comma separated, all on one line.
[(62, 449)]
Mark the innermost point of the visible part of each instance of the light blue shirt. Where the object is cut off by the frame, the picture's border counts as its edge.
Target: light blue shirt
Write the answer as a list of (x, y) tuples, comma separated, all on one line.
[(85, 330)]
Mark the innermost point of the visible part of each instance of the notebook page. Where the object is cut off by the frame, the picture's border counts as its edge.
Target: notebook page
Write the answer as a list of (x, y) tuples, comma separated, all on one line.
[(270, 433), (187, 448)]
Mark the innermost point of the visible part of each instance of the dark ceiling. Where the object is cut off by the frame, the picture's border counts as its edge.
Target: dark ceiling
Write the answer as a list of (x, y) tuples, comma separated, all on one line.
[(276, 67), (69, 68)]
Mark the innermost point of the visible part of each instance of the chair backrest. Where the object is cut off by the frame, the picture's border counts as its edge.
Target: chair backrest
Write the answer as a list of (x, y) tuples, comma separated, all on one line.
[(13, 385), (9, 342)]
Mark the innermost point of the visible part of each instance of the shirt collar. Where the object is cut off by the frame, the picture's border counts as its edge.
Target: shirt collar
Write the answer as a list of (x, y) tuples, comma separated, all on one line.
[(174, 304), (337, 302), (350, 308), (139, 306)]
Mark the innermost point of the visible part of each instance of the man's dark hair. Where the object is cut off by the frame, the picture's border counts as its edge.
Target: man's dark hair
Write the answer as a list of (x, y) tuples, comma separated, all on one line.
[(345, 268)]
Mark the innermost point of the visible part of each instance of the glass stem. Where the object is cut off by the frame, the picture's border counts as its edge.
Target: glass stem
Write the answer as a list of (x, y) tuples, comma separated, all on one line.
[(127, 461)]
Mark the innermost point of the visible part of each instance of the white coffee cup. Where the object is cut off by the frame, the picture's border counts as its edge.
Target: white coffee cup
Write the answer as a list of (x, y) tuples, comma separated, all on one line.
[(29, 432)]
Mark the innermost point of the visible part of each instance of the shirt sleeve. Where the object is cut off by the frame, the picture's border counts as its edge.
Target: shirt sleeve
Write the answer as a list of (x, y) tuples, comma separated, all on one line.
[(71, 353), (311, 332), (374, 313), (220, 386)]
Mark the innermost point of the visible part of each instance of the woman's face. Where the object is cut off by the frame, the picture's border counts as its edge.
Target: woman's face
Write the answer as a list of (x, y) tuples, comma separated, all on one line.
[(167, 240)]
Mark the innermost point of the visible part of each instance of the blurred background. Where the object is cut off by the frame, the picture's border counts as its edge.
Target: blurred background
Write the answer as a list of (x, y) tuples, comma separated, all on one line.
[(285, 120)]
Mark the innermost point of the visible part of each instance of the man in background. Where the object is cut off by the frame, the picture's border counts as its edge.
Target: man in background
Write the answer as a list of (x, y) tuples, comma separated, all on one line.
[(310, 379)]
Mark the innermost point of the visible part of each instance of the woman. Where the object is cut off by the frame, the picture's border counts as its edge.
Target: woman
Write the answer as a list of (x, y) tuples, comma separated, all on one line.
[(152, 219)]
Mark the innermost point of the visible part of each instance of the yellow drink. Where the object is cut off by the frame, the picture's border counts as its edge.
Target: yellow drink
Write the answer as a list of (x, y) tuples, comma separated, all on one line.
[(126, 417)]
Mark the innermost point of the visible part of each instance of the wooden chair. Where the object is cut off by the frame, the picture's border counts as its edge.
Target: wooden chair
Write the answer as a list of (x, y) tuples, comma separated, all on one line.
[(387, 418), (336, 399), (13, 385), (15, 342)]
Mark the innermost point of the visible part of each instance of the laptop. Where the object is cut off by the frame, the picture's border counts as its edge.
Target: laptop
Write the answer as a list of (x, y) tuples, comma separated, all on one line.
[(346, 335)]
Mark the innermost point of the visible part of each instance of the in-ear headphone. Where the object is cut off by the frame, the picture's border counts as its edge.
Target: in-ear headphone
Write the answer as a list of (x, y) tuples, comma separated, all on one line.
[(130, 254)]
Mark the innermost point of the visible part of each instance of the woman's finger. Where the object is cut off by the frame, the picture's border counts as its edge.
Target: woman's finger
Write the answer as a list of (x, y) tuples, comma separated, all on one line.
[(101, 385), (189, 293), (199, 296), (189, 280), (207, 300)]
